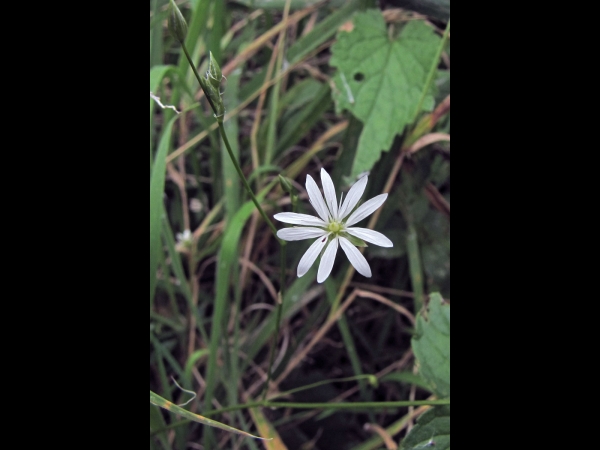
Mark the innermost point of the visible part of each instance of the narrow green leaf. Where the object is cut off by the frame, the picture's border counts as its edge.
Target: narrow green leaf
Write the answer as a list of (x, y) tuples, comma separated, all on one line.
[(322, 32), (231, 181), (167, 405), (157, 187), (305, 120), (276, 4), (406, 378), (226, 260), (157, 75)]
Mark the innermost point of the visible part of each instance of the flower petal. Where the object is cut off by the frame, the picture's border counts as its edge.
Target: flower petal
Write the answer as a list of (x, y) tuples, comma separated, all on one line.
[(356, 258), (316, 198), (366, 209), (311, 256), (353, 197), (299, 234), (371, 236), (300, 219), (330, 197), (327, 260)]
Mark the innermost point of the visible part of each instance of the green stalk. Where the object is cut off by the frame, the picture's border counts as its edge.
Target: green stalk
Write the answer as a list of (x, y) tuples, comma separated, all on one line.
[(228, 145), (210, 86), (371, 378), (330, 406), (416, 271), (432, 71), (158, 401), (294, 197), (278, 320), (245, 181)]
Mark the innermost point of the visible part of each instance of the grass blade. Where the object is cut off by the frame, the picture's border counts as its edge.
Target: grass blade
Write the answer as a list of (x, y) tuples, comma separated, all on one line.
[(167, 405)]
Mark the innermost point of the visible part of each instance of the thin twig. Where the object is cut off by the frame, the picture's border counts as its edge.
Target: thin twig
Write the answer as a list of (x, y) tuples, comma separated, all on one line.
[(159, 103)]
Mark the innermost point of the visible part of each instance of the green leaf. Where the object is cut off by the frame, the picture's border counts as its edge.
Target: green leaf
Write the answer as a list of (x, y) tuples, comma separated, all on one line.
[(432, 345), (322, 32), (438, 9), (157, 187), (305, 118), (157, 74), (167, 405), (406, 378), (228, 256), (431, 431), (355, 241), (381, 80), (276, 4)]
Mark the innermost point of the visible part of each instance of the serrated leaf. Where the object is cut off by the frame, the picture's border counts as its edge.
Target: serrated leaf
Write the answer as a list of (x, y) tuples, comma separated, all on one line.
[(431, 345), (381, 80), (431, 431)]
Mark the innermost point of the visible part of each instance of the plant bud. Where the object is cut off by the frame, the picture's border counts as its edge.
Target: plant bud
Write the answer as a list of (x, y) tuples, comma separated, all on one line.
[(373, 381), (216, 100), (215, 76), (286, 185), (177, 24)]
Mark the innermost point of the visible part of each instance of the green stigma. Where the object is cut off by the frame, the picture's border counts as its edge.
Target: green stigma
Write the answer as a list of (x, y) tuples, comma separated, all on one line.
[(335, 227)]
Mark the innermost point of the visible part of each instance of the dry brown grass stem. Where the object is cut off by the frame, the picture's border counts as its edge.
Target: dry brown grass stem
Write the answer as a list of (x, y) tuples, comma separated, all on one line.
[(320, 144), (249, 246), (427, 140), (299, 357), (245, 21), (437, 200), (385, 437), (259, 110), (265, 280), (196, 140), (398, 308), (383, 290), (261, 41)]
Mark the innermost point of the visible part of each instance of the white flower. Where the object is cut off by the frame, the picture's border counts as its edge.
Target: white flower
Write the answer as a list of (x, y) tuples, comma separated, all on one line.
[(184, 238), (185, 241), (333, 227)]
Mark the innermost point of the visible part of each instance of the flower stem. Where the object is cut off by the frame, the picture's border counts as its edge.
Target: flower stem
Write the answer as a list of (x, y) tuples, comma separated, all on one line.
[(330, 406), (228, 146), (282, 243), (280, 303), (246, 184), (282, 252), (277, 330)]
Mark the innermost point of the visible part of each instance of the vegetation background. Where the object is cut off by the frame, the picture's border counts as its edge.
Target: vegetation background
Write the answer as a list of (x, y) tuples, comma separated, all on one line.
[(348, 85)]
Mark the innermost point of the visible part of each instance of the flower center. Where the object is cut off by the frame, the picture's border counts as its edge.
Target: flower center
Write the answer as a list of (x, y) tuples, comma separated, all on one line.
[(335, 227)]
